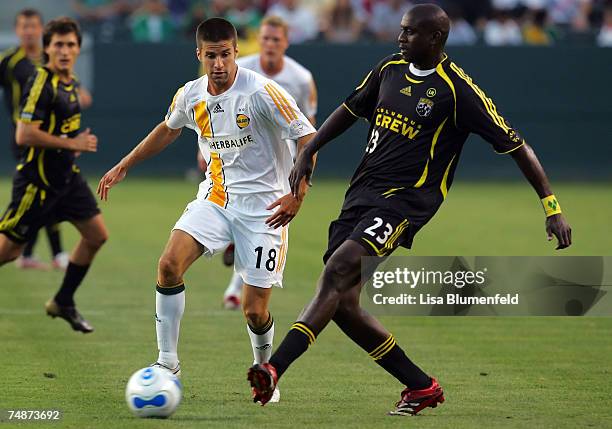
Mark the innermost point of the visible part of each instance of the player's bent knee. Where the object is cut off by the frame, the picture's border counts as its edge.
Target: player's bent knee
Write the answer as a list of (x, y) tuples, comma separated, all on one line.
[(255, 317), (341, 273), (169, 271), (97, 242)]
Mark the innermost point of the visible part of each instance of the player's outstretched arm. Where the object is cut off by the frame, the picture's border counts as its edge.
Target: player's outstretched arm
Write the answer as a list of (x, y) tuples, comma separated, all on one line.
[(556, 224), (30, 134), (337, 123), (160, 137)]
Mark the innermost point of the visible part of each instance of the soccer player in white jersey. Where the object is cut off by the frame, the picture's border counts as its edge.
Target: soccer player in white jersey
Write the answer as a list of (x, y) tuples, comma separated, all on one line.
[(296, 79), (242, 120)]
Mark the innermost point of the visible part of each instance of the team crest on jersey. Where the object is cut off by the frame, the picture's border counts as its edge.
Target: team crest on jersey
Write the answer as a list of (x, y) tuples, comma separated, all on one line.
[(296, 126), (242, 121), (424, 107)]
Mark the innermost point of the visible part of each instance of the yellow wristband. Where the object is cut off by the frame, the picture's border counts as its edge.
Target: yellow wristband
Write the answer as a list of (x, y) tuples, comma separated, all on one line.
[(551, 205)]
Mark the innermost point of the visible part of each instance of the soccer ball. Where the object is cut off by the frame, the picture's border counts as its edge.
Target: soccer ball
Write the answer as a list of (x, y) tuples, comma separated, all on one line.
[(153, 392)]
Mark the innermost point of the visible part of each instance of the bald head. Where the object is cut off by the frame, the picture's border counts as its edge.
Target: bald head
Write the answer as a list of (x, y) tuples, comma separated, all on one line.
[(431, 18), (424, 32)]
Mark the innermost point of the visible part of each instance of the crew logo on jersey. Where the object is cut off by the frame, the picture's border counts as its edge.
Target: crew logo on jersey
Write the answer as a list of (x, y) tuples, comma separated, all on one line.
[(424, 107), (70, 124), (242, 121)]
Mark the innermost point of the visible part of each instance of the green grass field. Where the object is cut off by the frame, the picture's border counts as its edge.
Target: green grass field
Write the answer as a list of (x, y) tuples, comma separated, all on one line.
[(496, 372)]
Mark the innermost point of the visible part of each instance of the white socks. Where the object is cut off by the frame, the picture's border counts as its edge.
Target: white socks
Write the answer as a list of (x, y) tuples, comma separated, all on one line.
[(168, 313), (261, 341), (235, 285)]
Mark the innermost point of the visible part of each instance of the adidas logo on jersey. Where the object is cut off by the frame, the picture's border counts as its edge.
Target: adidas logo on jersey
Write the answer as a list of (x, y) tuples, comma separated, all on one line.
[(218, 109), (407, 91)]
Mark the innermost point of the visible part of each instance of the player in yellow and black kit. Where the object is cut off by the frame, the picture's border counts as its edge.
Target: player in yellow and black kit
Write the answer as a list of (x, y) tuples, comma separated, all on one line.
[(421, 107), (16, 66), (47, 183)]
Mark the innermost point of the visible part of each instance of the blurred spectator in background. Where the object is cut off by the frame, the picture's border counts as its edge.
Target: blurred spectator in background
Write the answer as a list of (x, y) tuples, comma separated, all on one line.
[(384, 14), (218, 8), (604, 38), (246, 18), (179, 11), (341, 23), (497, 22), (535, 28), (474, 12), (197, 13), (570, 14), (103, 18), (461, 32), (303, 25), (502, 30), (152, 23)]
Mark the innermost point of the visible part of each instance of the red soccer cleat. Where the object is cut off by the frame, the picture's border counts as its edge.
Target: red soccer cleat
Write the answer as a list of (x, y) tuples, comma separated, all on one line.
[(413, 401), (263, 381), (231, 302)]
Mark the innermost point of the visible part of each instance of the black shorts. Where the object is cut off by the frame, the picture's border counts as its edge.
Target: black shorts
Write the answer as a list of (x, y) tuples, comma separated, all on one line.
[(379, 230), (33, 207)]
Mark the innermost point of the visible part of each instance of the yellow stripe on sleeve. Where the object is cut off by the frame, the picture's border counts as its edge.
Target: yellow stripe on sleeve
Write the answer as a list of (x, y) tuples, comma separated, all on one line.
[(278, 106), (486, 101), (176, 95), (281, 103), (285, 102), (35, 92)]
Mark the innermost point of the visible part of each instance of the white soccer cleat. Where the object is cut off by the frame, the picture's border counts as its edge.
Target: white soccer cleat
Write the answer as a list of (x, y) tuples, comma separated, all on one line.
[(275, 399), (176, 370)]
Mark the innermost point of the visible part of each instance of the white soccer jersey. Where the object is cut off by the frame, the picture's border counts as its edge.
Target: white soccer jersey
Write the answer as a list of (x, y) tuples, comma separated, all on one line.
[(242, 134), (294, 78)]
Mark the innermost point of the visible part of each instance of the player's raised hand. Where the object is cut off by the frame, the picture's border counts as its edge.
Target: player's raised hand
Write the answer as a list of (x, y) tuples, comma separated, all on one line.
[(288, 208), (111, 178), (304, 165), (557, 226), (85, 142)]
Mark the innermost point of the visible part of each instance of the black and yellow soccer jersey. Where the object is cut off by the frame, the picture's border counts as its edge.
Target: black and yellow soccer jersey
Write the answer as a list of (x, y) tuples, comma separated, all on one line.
[(418, 125), (15, 70), (55, 105)]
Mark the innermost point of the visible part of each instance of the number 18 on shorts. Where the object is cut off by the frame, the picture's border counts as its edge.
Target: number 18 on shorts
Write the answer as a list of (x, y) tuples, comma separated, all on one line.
[(260, 251)]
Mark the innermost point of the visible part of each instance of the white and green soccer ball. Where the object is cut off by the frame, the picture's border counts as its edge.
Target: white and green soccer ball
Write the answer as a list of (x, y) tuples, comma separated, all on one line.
[(153, 392)]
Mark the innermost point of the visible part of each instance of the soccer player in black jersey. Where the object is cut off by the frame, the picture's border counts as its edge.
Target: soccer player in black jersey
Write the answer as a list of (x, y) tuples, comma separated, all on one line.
[(421, 107), (16, 66), (47, 183)]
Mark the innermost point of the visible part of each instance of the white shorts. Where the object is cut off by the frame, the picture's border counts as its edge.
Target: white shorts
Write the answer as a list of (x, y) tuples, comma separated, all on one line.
[(260, 251)]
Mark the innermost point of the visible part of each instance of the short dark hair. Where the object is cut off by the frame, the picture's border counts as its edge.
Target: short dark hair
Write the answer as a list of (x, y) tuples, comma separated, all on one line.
[(29, 13), (62, 25), (216, 30)]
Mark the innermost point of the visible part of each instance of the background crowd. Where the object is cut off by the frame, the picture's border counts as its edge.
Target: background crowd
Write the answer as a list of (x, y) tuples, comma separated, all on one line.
[(489, 22)]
